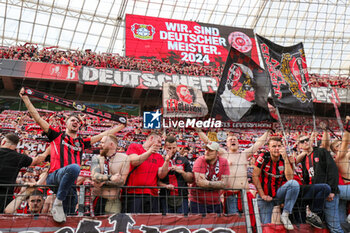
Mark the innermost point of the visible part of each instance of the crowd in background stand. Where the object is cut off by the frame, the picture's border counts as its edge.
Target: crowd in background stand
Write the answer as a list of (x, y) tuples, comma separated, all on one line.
[(189, 144), (21, 123), (31, 52), (317, 80)]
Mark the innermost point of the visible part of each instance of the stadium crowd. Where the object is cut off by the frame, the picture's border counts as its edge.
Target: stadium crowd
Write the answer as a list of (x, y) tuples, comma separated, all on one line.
[(193, 168), (317, 80), (31, 52)]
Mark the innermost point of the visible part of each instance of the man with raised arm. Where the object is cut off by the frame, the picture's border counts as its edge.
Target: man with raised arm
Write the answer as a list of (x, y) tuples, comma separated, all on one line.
[(108, 171), (318, 167), (342, 159), (340, 148), (11, 163), (146, 167), (238, 163), (66, 151), (172, 199)]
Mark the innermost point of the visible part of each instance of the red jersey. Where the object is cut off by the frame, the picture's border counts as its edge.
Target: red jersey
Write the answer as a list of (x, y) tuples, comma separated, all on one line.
[(272, 173), (309, 163), (65, 150), (146, 174), (23, 208), (213, 172)]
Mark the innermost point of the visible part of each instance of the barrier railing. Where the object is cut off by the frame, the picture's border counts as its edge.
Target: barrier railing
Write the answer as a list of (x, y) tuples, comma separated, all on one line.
[(86, 196)]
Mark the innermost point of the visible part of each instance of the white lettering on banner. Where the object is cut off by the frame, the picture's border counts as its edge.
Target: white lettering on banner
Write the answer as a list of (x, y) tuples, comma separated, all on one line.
[(148, 80), (197, 44), (134, 78), (192, 38), (343, 94), (32, 146), (176, 27), (89, 75), (324, 94), (106, 76), (206, 30), (71, 72), (182, 46), (123, 223), (122, 79)]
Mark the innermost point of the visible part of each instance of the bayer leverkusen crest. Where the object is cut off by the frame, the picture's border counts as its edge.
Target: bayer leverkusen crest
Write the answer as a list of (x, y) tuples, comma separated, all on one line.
[(142, 31)]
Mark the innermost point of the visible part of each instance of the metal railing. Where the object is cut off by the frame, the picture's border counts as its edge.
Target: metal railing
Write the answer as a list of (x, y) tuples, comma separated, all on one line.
[(86, 197)]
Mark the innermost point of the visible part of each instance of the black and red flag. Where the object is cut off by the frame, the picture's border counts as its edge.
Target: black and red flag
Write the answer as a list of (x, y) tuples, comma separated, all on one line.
[(288, 73), (243, 91)]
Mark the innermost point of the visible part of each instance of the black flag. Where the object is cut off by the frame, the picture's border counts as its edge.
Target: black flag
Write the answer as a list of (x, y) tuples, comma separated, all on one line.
[(288, 73), (243, 90)]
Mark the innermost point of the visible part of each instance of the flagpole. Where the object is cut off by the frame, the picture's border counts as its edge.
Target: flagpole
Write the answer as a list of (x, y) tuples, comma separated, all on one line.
[(337, 114), (284, 132), (280, 121), (314, 122)]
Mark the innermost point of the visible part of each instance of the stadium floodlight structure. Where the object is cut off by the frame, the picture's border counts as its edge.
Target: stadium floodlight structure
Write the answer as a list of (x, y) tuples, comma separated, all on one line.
[(323, 26)]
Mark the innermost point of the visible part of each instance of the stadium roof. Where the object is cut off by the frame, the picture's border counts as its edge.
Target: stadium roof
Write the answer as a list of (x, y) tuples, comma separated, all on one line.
[(323, 26)]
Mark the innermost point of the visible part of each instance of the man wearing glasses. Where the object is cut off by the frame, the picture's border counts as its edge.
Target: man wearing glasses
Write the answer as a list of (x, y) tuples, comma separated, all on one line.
[(318, 167)]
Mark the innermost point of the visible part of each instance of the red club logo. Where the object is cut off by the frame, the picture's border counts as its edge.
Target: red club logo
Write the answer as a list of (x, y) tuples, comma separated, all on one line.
[(142, 31), (240, 41)]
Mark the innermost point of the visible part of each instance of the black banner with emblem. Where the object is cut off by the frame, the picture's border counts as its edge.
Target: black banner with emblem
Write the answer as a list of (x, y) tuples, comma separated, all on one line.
[(75, 105), (288, 73), (243, 91)]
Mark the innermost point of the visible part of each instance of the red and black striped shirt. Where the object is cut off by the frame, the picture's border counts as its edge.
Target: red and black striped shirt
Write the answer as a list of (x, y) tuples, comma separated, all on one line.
[(65, 150), (309, 164), (272, 173)]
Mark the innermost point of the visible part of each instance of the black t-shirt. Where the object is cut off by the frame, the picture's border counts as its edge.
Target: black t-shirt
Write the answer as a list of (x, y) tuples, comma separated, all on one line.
[(10, 164), (178, 180)]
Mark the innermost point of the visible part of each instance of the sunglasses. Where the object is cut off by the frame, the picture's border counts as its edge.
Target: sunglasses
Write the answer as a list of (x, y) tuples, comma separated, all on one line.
[(304, 140)]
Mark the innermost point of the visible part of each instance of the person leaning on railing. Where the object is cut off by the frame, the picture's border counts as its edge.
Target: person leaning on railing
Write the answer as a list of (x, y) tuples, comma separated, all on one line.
[(318, 167), (238, 161), (311, 197), (273, 178), (33, 196), (146, 167), (108, 172), (211, 172), (173, 199), (341, 151)]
